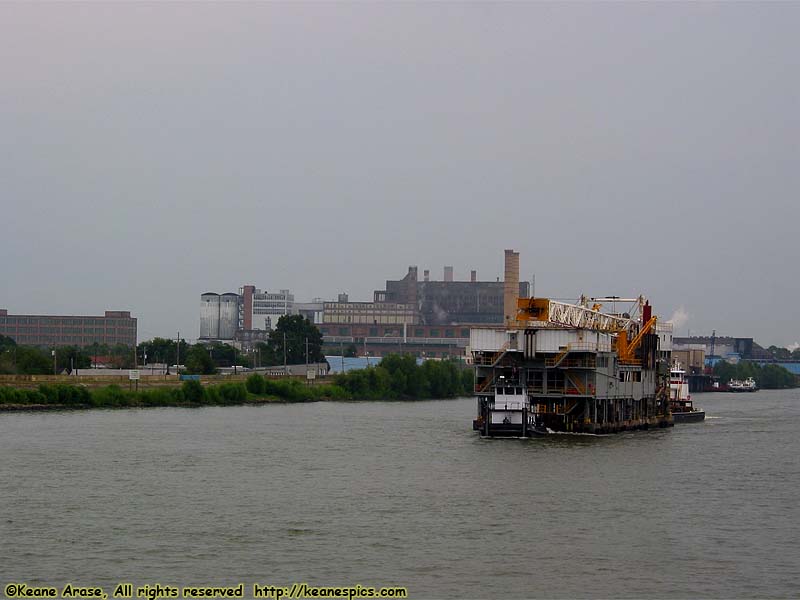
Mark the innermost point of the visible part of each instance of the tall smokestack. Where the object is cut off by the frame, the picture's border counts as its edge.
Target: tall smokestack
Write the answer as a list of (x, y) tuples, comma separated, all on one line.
[(448, 273), (247, 301), (411, 286), (473, 276), (510, 288), (426, 275)]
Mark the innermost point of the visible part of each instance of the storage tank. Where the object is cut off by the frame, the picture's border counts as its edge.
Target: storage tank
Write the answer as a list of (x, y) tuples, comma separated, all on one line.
[(209, 315), (228, 315)]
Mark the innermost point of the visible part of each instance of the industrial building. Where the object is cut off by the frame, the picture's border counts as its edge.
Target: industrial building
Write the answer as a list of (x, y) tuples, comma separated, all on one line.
[(219, 316), (260, 310), (247, 316), (722, 347), (114, 327), (375, 313), (451, 302), (313, 311), (427, 318)]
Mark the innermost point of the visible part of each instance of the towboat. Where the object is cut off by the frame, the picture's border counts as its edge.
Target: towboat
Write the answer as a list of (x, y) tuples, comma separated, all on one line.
[(680, 402)]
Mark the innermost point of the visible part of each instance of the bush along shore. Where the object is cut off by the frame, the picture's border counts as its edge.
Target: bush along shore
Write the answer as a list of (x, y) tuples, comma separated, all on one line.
[(396, 378)]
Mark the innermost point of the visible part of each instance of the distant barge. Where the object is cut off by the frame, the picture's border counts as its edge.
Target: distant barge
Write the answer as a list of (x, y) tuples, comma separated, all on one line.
[(570, 368)]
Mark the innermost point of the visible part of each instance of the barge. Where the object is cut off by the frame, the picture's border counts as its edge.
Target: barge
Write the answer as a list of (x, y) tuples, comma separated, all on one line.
[(572, 368)]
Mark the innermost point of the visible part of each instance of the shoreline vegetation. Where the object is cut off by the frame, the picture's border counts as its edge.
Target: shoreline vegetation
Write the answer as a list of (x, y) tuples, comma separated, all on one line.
[(396, 378)]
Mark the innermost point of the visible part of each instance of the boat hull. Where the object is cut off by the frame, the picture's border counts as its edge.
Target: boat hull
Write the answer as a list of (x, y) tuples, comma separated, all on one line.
[(689, 417)]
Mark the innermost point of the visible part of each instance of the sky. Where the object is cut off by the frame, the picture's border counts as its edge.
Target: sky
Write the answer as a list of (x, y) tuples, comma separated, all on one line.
[(153, 152)]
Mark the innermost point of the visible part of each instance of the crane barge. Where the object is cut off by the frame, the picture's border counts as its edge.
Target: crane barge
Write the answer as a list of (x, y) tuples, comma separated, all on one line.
[(572, 368)]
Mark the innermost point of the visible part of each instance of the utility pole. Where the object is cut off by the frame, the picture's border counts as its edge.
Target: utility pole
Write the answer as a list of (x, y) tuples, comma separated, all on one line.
[(307, 380), (54, 362), (285, 368), (178, 356), (341, 353)]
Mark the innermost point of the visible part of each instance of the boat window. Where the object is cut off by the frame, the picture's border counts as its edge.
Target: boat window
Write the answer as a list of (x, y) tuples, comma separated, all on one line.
[(499, 391), (519, 391)]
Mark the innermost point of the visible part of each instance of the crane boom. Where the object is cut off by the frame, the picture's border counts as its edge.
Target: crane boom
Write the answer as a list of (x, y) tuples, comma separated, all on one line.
[(570, 315), (626, 349)]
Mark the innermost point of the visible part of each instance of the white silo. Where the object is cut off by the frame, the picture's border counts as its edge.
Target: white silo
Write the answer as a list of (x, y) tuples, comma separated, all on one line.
[(209, 316), (228, 315)]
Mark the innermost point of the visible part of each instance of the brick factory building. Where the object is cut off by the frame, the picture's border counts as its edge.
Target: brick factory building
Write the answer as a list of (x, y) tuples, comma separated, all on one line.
[(115, 327), (427, 318), (448, 301)]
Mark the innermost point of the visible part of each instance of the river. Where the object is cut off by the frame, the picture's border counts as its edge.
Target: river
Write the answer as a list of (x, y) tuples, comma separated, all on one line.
[(391, 493)]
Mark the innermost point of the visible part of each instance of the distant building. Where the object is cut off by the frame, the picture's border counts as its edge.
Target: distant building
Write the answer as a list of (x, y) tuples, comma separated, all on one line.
[(219, 316), (449, 301), (722, 347), (427, 318), (114, 327), (261, 310), (244, 316), (383, 313), (313, 311), (430, 341)]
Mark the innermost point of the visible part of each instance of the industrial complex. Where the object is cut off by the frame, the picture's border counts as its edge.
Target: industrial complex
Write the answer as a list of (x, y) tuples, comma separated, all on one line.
[(424, 317)]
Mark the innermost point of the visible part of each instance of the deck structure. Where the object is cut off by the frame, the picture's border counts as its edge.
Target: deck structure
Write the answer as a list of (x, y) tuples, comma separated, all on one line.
[(571, 369)]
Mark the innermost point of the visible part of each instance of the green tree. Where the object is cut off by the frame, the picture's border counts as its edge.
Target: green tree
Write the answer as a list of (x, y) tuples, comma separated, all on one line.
[(266, 355), (296, 330), (7, 343), (162, 350), (780, 353), (225, 355), (255, 384), (770, 376), (349, 351), (121, 356), (193, 392), (8, 355), (72, 357), (198, 361), (33, 361)]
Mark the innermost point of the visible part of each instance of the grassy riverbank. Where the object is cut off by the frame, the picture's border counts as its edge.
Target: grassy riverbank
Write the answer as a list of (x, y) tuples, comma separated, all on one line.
[(396, 378)]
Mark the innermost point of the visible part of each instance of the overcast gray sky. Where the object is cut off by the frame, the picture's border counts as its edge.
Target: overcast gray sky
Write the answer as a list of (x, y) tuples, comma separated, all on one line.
[(152, 152)]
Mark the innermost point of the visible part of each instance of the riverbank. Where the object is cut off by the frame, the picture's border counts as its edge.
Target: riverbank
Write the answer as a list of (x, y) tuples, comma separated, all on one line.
[(399, 379)]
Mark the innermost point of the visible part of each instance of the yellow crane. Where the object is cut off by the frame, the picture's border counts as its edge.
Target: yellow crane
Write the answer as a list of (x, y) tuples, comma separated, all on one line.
[(544, 312)]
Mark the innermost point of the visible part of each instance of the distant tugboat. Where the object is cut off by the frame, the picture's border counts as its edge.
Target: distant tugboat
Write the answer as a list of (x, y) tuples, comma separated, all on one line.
[(680, 402), (737, 385)]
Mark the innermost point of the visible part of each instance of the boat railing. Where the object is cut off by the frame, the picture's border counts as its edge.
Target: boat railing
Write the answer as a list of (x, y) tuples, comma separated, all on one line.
[(509, 405)]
